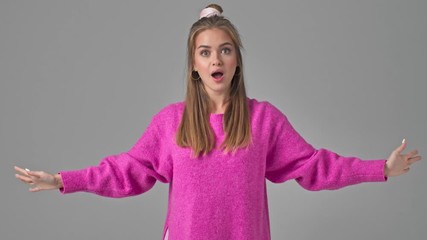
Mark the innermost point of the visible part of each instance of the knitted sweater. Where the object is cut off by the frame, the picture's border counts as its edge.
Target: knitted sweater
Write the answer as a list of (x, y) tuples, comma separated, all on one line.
[(220, 196)]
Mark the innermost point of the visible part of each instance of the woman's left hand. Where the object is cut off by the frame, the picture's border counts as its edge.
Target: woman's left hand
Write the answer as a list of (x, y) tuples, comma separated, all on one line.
[(399, 163)]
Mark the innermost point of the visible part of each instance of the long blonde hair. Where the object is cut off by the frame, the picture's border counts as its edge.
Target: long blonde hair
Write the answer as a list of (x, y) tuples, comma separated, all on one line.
[(194, 130)]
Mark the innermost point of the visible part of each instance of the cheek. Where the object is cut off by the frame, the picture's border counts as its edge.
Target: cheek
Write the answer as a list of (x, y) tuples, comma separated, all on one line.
[(232, 61), (203, 69), (199, 64), (232, 65)]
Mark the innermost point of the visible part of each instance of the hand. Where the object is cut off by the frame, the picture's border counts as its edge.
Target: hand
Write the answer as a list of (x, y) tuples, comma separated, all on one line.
[(398, 163), (39, 180)]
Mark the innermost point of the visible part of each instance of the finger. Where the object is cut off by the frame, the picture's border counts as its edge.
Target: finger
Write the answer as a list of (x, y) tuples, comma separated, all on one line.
[(401, 147), (35, 189), (35, 174), (21, 171), (412, 153), (414, 159), (24, 178)]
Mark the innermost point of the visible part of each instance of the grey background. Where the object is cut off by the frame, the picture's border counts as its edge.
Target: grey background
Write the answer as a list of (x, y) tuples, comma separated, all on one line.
[(80, 80)]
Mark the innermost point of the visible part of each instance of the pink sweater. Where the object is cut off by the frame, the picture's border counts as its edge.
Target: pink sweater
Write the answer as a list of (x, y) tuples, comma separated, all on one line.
[(220, 196)]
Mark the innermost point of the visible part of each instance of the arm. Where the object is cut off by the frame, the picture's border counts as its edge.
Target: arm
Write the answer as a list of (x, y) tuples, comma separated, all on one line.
[(125, 174), (291, 157), (116, 176), (128, 173)]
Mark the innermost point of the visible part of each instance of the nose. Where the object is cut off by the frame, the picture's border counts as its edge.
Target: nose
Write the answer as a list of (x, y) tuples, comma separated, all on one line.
[(216, 59)]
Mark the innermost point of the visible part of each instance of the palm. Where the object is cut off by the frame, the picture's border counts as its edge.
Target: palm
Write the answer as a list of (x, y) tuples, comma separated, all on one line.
[(399, 163)]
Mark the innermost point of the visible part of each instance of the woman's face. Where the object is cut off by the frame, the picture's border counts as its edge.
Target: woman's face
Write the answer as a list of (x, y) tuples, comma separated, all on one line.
[(215, 59)]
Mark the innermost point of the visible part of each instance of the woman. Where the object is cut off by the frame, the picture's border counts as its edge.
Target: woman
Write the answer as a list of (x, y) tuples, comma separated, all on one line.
[(217, 148)]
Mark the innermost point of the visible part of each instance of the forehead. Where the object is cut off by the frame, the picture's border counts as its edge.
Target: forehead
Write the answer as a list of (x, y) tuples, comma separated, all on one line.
[(213, 37)]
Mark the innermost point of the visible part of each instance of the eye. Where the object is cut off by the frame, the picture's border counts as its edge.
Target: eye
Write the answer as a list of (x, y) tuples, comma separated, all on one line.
[(204, 53), (226, 50)]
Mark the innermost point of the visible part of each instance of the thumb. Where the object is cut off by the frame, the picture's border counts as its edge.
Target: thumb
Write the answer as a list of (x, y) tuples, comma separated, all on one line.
[(401, 147)]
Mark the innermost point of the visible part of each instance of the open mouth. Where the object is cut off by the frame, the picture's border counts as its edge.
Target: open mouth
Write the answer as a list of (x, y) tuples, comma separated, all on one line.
[(217, 75)]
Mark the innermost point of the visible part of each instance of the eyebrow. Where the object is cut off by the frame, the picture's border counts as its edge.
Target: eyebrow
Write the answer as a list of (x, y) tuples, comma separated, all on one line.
[(207, 46)]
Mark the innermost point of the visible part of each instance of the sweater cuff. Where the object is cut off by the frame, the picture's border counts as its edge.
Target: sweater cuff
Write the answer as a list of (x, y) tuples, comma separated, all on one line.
[(373, 170), (73, 181)]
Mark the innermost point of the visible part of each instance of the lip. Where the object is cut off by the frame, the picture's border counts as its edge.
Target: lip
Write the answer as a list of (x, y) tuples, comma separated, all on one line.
[(218, 79), (218, 71)]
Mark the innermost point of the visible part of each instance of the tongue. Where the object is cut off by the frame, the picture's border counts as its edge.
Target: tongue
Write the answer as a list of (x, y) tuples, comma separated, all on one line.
[(217, 75)]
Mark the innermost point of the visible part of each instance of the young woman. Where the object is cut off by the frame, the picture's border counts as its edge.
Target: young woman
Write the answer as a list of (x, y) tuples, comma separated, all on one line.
[(217, 149)]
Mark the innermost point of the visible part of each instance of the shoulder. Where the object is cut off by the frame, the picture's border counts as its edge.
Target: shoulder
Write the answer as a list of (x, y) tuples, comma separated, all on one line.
[(171, 108), (264, 109), (267, 118), (169, 113)]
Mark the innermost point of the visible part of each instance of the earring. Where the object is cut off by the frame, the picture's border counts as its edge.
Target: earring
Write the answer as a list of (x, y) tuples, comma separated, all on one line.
[(195, 76), (237, 72)]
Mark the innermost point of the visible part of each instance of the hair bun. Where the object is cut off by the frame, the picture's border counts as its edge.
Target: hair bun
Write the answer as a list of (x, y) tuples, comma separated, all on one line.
[(211, 10)]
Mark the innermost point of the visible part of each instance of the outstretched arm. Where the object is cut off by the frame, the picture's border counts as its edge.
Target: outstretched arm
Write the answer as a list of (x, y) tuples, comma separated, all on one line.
[(291, 157), (120, 175)]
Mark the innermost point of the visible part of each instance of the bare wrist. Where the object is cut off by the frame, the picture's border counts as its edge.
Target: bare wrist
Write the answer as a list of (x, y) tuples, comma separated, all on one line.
[(386, 170), (58, 180)]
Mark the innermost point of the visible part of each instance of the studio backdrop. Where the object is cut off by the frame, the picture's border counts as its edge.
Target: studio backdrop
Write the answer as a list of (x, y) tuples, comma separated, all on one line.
[(80, 80)]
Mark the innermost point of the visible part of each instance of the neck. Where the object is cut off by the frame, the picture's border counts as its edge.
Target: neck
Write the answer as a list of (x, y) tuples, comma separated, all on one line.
[(218, 104)]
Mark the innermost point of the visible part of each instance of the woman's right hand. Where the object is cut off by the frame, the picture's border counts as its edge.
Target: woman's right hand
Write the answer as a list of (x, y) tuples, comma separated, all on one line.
[(38, 180)]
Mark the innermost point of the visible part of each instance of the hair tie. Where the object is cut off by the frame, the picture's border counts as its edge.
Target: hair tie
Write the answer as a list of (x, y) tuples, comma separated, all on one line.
[(209, 12)]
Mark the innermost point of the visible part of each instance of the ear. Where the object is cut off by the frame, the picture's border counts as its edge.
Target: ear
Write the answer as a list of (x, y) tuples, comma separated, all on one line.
[(194, 64)]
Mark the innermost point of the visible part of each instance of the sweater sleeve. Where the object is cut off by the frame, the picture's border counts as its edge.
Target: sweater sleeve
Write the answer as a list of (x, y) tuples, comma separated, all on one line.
[(291, 157), (126, 174)]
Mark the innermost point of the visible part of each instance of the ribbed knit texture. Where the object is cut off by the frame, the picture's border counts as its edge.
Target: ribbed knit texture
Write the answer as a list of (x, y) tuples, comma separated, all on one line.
[(220, 196)]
